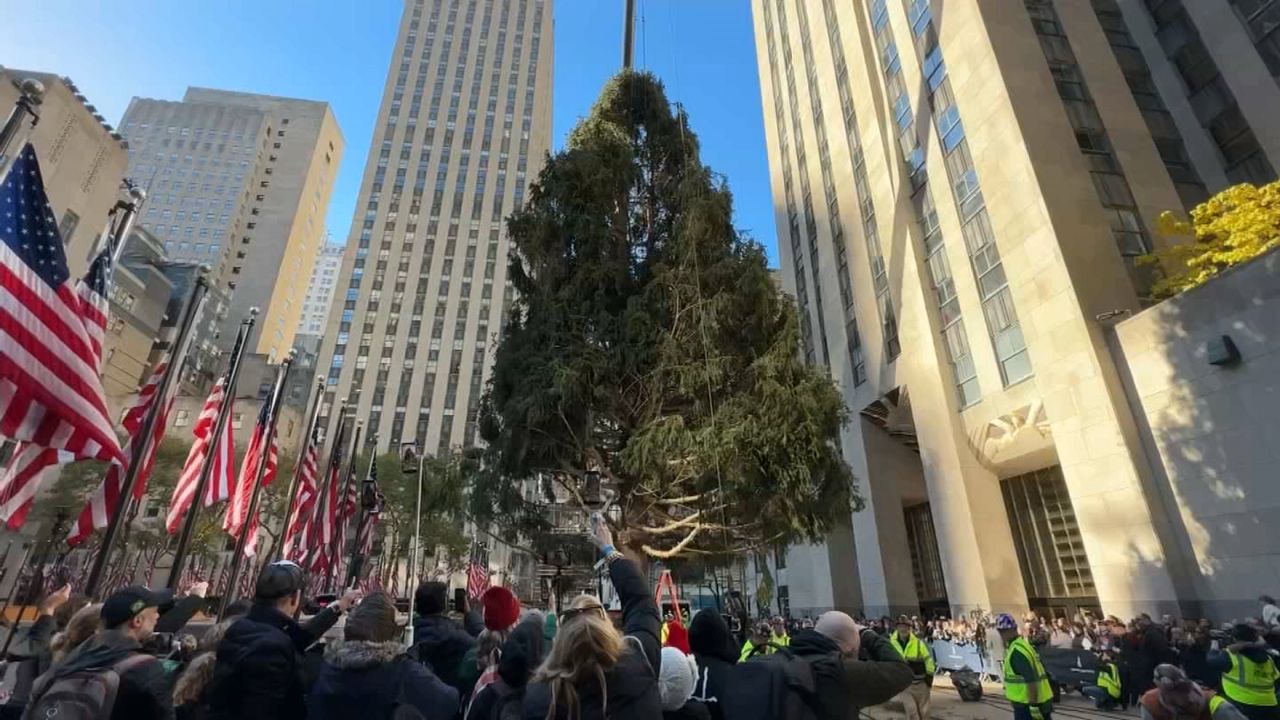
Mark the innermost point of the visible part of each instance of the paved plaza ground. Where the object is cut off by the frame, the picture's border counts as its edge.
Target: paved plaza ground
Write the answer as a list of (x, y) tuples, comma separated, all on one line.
[(947, 705)]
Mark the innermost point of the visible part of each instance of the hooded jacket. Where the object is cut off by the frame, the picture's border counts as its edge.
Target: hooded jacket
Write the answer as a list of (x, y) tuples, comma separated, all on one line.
[(259, 672), (845, 685), (365, 679), (521, 654), (144, 691), (440, 644), (715, 650)]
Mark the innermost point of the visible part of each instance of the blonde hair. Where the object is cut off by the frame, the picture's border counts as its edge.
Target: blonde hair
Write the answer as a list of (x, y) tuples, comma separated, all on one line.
[(586, 646), (191, 684), (79, 628)]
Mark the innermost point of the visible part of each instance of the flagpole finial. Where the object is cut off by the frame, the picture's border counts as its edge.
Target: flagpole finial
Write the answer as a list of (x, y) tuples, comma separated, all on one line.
[(136, 194), (32, 89), (253, 312)]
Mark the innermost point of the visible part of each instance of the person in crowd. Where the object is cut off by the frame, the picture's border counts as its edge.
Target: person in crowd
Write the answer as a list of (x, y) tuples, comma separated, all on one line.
[(1249, 674), (778, 632), (1107, 693), (500, 610), (593, 671), (677, 636), (36, 658), (806, 623), (1081, 639), (440, 642), (128, 619), (1060, 636), (82, 626), (367, 674), (716, 653), (1176, 697), (521, 654), (853, 667), (757, 642), (1193, 653), (1270, 611), (915, 700), (189, 690), (1152, 649), (676, 678), (1026, 684), (258, 672)]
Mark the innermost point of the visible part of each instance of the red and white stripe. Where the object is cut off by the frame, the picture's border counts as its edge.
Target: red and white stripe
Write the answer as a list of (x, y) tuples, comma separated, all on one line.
[(298, 527), (105, 501), (223, 458), (238, 506)]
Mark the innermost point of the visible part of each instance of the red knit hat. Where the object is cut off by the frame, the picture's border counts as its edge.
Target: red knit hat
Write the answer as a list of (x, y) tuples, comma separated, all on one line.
[(501, 608)]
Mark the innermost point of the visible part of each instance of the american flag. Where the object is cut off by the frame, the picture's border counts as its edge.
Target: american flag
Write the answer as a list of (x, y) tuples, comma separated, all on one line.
[(223, 459), (320, 539), (238, 507), (373, 499), (477, 572), (51, 398), (304, 505), (346, 511), (106, 499)]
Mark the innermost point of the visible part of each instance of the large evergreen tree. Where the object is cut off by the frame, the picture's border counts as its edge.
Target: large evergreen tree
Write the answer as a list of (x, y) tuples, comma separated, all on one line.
[(647, 342)]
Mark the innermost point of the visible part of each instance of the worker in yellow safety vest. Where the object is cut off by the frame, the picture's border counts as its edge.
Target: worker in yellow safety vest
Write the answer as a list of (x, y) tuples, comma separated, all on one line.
[(1026, 684), (915, 699), (1249, 674), (1106, 693), (757, 642)]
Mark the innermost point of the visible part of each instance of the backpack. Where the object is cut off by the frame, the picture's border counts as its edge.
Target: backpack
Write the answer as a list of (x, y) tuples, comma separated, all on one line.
[(507, 705), (967, 684), (779, 686), (88, 694)]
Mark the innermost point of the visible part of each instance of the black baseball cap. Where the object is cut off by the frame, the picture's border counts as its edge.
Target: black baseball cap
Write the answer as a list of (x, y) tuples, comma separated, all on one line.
[(125, 603), (279, 579)]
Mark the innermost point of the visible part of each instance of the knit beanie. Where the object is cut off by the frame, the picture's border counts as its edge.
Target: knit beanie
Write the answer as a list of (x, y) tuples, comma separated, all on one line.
[(676, 678), (677, 636), (501, 608), (374, 620)]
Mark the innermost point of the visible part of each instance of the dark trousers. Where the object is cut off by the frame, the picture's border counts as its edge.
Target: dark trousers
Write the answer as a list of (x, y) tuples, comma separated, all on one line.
[(1258, 712), (1023, 712)]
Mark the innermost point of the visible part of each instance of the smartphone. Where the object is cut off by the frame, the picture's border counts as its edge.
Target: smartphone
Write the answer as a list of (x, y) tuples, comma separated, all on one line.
[(596, 521), (460, 600)]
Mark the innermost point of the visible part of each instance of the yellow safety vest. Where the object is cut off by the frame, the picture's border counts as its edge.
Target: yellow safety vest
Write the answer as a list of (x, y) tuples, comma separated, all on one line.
[(784, 639), (1015, 686), (1215, 702), (915, 651), (1109, 680), (1249, 682), (748, 650)]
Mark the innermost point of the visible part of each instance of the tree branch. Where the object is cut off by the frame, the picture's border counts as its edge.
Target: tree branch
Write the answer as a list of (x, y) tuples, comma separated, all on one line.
[(674, 551)]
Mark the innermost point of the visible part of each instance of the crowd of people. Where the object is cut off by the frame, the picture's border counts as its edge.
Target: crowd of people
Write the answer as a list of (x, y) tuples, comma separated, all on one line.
[(126, 658)]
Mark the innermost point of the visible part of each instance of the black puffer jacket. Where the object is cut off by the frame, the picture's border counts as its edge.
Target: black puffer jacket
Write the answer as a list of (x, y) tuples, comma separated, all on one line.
[(845, 685), (631, 687), (259, 672), (714, 648), (440, 643), (362, 679), (144, 692)]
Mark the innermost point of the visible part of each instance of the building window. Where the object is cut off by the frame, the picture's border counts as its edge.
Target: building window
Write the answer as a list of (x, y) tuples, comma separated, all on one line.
[(182, 418), (1047, 537)]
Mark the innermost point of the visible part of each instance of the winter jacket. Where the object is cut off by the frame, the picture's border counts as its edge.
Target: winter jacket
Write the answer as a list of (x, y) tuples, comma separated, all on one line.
[(259, 672), (715, 650), (845, 685), (632, 685), (692, 710), (521, 654), (441, 644), (1151, 709), (180, 613), (145, 692), (362, 679)]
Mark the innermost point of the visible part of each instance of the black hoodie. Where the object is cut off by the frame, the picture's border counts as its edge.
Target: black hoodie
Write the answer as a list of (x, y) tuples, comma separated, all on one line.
[(714, 648), (844, 685), (521, 654)]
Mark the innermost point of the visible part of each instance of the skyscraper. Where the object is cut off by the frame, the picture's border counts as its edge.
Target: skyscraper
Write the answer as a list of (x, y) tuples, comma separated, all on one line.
[(240, 182), (315, 309), (465, 123), (962, 190)]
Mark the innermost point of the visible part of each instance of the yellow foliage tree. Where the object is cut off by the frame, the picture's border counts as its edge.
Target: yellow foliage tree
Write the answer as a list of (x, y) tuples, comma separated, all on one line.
[(1230, 228)]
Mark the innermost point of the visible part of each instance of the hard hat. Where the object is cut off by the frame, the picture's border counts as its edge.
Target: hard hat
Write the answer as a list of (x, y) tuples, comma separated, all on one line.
[(1005, 621)]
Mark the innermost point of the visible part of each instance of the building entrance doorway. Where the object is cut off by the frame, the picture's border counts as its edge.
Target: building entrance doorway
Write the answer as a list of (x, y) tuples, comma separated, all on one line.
[(1051, 555)]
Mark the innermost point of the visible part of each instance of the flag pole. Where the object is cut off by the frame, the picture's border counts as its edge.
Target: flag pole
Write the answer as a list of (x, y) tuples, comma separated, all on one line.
[(123, 225), (322, 498), (307, 438), (30, 96), (195, 301), (353, 565), (264, 457), (336, 552), (219, 425), (411, 582)]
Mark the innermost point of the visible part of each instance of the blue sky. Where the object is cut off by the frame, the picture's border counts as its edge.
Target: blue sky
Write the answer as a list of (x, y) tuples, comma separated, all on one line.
[(337, 50)]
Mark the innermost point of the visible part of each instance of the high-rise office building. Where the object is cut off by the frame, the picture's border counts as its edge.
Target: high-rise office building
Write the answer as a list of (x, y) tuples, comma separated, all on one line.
[(961, 190), (465, 124), (240, 182), (315, 308)]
